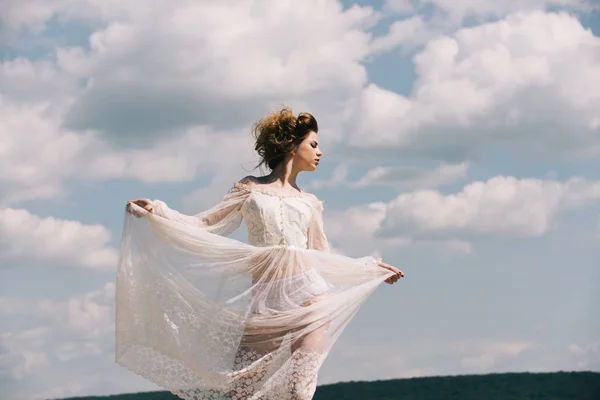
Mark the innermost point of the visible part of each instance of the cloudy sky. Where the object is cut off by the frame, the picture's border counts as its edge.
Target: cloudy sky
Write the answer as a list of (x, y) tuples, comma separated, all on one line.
[(461, 142)]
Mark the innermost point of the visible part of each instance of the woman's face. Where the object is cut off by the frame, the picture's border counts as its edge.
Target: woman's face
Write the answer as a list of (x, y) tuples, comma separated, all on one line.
[(308, 154)]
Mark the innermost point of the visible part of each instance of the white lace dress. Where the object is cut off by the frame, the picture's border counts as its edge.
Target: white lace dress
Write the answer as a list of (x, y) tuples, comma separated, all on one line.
[(208, 317)]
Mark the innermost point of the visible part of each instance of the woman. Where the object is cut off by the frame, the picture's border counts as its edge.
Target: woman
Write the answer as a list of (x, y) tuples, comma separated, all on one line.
[(209, 317)]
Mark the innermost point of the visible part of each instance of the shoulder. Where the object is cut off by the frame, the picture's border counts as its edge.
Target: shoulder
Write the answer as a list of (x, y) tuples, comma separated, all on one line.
[(242, 187), (310, 196), (314, 200), (246, 184), (249, 180)]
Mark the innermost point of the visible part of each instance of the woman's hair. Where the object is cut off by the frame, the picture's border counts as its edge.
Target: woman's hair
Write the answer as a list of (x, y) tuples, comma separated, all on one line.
[(279, 133)]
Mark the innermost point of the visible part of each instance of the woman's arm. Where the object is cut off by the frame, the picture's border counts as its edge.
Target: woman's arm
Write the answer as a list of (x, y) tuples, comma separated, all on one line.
[(221, 219), (318, 240), (394, 278), (160, 208)]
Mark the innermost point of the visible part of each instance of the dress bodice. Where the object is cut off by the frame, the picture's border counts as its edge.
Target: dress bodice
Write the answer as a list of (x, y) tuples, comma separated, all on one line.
[(277, 220)]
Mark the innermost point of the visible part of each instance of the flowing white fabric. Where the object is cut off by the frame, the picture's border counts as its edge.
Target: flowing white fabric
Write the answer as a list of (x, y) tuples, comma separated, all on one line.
[(208, 317)]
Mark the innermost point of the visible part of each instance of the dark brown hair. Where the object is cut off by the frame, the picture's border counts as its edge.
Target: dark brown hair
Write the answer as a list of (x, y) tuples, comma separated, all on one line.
[(279, 133)]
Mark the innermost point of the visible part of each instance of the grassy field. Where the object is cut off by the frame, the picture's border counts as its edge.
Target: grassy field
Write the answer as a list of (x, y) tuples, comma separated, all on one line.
[(510, 386)]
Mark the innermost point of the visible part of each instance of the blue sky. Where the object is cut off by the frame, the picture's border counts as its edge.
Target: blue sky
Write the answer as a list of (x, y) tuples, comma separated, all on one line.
[(461, 142)]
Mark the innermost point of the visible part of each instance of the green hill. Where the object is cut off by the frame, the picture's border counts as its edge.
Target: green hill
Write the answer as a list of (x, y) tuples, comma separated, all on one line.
[(509, 386)]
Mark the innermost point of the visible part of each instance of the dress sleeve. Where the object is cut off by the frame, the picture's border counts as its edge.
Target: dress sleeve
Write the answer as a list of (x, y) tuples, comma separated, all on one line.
[(317, 239), (222, 219)]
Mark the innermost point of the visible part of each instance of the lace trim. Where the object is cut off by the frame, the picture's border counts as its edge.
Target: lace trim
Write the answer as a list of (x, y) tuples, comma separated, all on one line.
[(294, 379), (249, 188)]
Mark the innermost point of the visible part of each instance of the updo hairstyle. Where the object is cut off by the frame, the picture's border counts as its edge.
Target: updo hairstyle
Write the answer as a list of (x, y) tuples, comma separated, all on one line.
[(279, 133)]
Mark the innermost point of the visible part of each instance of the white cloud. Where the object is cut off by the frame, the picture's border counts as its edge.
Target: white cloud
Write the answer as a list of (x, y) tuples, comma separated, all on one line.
[(34, 15), (176, 159), (66, 330), (499, 206), (580, 192), (26, 81), (378, 118), (486, 359), (454, 12), (92, 314), (497, 69), (71, 351), (35, 153), (239, 55), (116, 109), (338, 177), (358, 360), (529, 82), (458, 10), (402, 177), (351, 231), (38, 154), (88, 315), (585, 355), (354, 232), (397, 177), (406, 32), (18, 365), (66, 333), (424, 20), (60, 242), (70, 389), (71, 336), (433, 356), (426, 357)]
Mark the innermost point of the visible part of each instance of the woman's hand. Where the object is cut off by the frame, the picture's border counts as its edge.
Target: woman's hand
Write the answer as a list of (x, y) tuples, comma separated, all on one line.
[(146, 204), (397, 273)]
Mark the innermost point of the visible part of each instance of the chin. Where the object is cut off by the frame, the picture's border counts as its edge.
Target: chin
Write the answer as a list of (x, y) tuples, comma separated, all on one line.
[(309, 167)]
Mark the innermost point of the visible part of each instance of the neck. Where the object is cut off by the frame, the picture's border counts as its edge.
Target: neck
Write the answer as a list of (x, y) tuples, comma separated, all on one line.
[(284, 173)]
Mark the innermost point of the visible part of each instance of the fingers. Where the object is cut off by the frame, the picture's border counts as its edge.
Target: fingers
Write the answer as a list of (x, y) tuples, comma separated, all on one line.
[(141, 202), (399, 274), (129, 208), (394, 278), (391, 268), (134, 208)]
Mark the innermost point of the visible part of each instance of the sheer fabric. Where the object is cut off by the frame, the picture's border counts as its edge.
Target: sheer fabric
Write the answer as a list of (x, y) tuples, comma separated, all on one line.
[(208, 317)]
